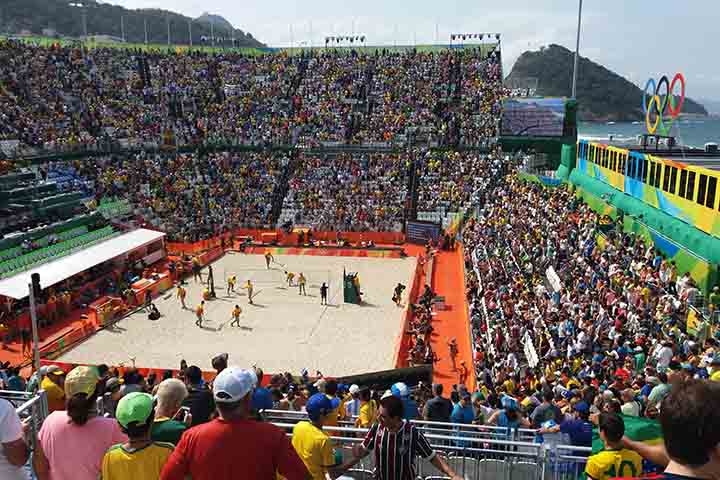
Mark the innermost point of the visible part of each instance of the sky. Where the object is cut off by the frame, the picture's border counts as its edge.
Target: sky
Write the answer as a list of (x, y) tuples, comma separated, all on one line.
[(638, 39)]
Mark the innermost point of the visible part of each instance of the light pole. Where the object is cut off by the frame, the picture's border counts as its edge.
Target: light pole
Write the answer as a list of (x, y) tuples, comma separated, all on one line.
[(145, 26), (83, 14), (190, 31), (577, 50), (167, 21), (122, 27)]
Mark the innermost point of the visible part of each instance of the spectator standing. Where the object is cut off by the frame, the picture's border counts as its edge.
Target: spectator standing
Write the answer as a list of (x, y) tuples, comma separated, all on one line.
[(261, 397), (659, 391), (351, 407), (546, 410), (579, 428), (107, 403), (36, 379), (53, 386), (71, 444), (614, 460), (462, 411), (630, 406), (410, 408), (14, 451), (199, 399), (171, 394), (438, 408), (233, 444), (331, 418), (311, 443), (391, 431), (140, 458), (368, 409)]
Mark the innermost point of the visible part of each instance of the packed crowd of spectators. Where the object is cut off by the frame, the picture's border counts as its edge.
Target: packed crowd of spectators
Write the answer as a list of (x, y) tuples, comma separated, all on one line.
[(349, 192), (57, 97), (452, 181), (192, 196), (607, 336)]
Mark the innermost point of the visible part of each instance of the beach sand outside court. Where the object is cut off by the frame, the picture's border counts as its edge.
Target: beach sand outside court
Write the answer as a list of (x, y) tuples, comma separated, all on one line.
[(283, 331)]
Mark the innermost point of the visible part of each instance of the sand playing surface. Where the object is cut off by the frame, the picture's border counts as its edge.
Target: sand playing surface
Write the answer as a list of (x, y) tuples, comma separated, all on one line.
[(283, 331)]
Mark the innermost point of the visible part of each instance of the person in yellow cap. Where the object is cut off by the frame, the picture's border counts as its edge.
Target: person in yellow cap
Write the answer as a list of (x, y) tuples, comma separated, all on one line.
[(72, 442), (53, 386), (206, 293), (138, 458)]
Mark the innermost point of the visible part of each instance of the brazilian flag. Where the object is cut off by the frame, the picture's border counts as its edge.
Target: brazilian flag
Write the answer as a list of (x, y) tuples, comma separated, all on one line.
[(639, 429)]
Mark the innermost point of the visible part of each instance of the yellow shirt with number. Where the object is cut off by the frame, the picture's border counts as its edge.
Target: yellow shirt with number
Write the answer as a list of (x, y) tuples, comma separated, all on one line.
[(145, 463), (314, 448), (614, 463)]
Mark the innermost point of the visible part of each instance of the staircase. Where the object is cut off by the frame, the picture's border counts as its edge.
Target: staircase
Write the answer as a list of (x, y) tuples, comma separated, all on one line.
[(282, 187)]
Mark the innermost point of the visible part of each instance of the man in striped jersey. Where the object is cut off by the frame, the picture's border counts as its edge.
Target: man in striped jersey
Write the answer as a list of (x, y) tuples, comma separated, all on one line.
[(396, 443)]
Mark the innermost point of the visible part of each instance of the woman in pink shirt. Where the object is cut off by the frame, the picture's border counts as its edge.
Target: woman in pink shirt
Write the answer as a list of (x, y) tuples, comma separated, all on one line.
[(72, 442)]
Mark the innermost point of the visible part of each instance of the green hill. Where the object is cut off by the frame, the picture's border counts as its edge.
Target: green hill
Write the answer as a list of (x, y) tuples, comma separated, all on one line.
[(34, 16), (602, 95)]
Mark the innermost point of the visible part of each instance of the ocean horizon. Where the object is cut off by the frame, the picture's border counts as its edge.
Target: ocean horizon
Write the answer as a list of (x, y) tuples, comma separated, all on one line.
[(693, 132)]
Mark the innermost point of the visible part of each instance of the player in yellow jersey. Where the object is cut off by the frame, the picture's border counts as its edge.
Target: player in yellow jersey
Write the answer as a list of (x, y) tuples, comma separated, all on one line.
[(249, 288), (231, 281), (199, 312), (614, 460), (181, 294), (268, 258), (301, 284), (289, 276), (236, 316)]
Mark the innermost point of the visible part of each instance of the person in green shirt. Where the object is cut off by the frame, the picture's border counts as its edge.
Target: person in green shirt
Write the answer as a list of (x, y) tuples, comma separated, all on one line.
[(714, 298), (639, 359), (170, 420)]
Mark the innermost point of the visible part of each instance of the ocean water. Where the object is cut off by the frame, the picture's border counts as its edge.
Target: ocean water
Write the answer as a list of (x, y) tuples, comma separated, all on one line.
[(694, 133)]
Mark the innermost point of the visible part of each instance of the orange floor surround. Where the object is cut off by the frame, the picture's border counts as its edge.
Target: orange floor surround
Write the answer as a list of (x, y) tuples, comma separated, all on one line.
[(448, 281)]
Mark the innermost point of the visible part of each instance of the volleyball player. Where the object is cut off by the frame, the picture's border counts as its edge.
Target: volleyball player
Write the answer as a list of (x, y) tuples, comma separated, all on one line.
[(289, 276), (236, 315), (199, 312), (181, 294), (301, 284), (232, 279), (268, 258), (249, 288)]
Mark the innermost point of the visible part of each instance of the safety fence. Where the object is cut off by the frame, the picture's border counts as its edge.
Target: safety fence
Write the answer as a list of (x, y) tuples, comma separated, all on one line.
[(31, 408), (473, 451)]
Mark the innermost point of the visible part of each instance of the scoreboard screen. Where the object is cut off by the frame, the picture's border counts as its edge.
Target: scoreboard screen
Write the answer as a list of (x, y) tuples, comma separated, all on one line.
[(533, 117)]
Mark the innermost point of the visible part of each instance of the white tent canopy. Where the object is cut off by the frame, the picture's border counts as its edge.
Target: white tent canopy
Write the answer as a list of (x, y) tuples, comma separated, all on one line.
[(55, 272)]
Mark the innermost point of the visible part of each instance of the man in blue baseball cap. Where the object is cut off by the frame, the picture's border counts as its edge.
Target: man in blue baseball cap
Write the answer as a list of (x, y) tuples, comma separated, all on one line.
[(312, 444)]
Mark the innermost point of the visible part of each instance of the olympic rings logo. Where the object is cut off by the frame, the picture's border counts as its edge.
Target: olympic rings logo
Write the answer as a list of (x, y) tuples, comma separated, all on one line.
[(662, 105)]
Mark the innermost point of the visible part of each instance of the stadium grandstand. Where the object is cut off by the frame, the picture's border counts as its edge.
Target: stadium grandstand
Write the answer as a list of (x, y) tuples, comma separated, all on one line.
[(540, 321)]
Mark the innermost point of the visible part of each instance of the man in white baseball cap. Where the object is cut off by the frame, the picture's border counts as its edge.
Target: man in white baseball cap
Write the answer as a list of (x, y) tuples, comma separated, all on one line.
[(234, 443), (351, 407)]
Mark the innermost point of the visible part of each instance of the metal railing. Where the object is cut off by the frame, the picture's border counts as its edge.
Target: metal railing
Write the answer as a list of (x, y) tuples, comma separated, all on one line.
[(32, 408), (473, 451)]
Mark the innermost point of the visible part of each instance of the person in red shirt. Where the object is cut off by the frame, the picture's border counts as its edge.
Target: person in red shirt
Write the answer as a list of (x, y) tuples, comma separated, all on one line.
[(233, 445)]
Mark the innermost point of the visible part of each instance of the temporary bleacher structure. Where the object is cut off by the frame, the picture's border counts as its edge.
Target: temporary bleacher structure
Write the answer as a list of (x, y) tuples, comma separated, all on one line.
[(82, 258)]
